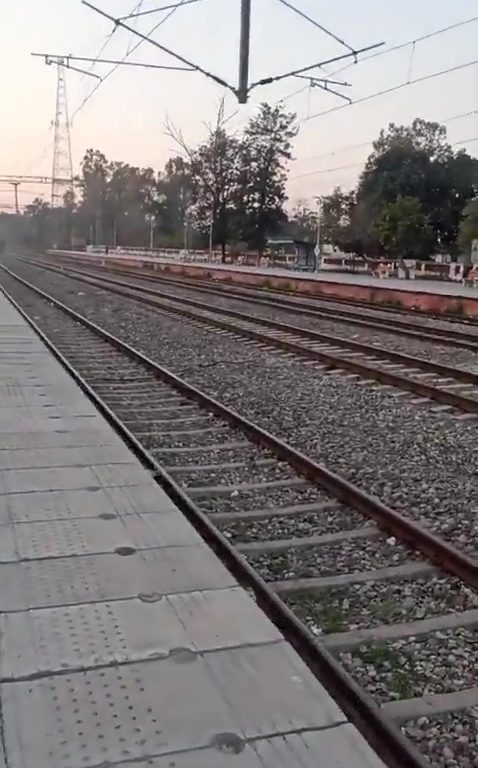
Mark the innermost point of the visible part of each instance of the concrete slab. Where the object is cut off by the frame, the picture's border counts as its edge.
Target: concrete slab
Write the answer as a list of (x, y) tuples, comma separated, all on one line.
[(47, 641), (340, 747), (123, 639), (73, 580), (58, 438), (270, 690), (100, 502), (203, 758), (64, 457), (88, 536), (102, 717), (72, 478)]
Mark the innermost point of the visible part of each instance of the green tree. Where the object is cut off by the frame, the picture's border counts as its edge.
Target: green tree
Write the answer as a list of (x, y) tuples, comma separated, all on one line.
[(302, 224), (266, 148), (416, 161), (40, 215), (402, 229), (214, 169), (469, 225), (337, 218), (173, 190)]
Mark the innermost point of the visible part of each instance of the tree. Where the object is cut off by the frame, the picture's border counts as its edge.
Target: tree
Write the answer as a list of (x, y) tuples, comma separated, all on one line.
[(214, 179), (416, 161), (469, 225), (173, 190), (214, 170), (93, 182), (302, 224), (40, 214), (265, 151), (402, 229), (337, 217)]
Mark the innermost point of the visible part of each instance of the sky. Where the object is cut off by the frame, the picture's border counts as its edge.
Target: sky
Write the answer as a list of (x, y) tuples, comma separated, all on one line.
[(125, 117)]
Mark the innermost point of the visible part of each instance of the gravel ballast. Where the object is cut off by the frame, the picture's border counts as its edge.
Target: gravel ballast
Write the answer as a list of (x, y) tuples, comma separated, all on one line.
[(307, 524), (439, 662), (346, 556), (362, 606), (449, 740), (436, 352), (420, 462)]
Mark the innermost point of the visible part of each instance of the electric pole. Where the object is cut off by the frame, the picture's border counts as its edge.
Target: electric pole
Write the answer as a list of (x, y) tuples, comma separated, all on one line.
[(62, 175), (244, 44), (15, 185)]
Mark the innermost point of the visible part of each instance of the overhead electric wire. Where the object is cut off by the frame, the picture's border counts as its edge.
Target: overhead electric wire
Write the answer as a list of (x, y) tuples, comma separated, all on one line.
[(316, 24), (135, 15), (293, 72), (127, 54), (394, 88), (356, 165), (147, 38), (369, 143), (414, 41)]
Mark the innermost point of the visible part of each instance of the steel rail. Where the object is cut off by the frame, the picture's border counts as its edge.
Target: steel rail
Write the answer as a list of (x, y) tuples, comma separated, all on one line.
[(383, 736), (363, 369), (444, 336)]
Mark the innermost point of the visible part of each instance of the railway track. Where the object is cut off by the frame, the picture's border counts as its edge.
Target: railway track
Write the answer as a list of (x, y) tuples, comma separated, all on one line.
[(449, 386), (381, 319), (360, 590)]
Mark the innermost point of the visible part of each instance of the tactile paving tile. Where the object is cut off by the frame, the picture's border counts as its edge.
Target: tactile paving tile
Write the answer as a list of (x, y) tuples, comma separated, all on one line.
[(67, 581), (74, 637), (114, 714), (271, 690), (85, 536), (57, 438), (71, 478), (64, 457), (341, 747), (64, 505)]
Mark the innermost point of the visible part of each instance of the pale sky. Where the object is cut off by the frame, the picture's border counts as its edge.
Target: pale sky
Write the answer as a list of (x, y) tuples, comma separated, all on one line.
[(125, 117)]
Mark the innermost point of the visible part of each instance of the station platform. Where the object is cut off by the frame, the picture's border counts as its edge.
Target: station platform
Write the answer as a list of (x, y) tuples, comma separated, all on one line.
[(123, 639)]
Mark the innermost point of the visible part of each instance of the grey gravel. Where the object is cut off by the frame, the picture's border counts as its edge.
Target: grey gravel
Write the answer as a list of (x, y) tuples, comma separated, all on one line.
[(438, 662), (249, 473), (362, 606), (307, 524), (262, 498), (347, 556), (449, 740), (436, 352), (420, 462)]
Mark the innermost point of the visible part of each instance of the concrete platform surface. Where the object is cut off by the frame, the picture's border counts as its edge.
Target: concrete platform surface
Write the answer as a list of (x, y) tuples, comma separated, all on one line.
[(123, 639)]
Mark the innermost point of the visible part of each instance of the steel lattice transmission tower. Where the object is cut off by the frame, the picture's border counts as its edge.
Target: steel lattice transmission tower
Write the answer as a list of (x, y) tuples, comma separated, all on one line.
[(62, 175)]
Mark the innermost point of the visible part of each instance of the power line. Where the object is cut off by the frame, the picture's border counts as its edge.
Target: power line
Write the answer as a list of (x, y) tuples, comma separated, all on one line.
[(127, 54), (369, 143), (356, 165), (219, 80), (414, 41), (147, 38), (319, 64), (135, 15), (316, 24), (392, 89)]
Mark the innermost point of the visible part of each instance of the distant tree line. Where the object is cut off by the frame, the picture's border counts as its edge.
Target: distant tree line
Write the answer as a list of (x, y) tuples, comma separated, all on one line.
[(416, 195)]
